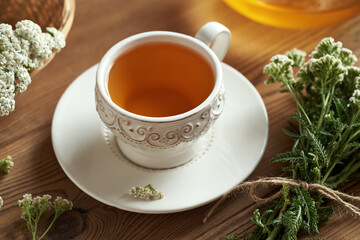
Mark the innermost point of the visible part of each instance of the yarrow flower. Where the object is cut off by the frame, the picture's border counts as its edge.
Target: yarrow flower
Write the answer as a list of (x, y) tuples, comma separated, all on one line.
[(146, 193), (6, 163), (351, 81), (322, 73), (328, 46), (297, 56), (34, 208), (62, 205), (26, 206), (355, 98), (280, 68), (21, 50)]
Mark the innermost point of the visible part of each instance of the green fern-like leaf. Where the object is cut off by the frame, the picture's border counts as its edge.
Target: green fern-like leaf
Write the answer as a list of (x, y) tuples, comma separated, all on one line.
[(291, 134), (287, 157), (326, 134), (291, 220), (302, 121), (257, 219), (341, 109), (310, 216), (318, 148)]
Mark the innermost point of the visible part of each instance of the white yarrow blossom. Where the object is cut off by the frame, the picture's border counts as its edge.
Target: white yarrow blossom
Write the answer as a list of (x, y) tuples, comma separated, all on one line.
[(6, 163), (355, 98), (146, 193), (21, 50)]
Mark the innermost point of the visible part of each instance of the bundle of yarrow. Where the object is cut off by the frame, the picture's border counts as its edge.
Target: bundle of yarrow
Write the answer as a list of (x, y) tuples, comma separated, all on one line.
[(22, 50), (326, 133)]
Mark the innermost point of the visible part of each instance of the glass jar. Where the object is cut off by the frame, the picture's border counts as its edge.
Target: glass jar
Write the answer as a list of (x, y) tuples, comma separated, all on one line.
[(297, 13)]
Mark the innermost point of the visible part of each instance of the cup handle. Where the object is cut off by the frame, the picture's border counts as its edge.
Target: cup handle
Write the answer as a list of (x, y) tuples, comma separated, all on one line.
[(216, 36)]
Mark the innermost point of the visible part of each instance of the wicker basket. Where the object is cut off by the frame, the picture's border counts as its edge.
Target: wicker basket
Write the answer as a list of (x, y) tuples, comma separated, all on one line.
[(46, 13)]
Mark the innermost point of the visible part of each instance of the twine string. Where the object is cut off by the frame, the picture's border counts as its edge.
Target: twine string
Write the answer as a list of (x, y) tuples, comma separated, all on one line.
[(334, 195)]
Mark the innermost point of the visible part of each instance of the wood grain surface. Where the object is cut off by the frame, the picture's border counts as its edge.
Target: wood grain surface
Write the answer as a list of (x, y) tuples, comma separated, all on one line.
[(99, 24)]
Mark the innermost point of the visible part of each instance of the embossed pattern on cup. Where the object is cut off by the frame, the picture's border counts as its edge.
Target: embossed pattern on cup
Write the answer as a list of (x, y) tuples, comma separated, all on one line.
[(145, 135)]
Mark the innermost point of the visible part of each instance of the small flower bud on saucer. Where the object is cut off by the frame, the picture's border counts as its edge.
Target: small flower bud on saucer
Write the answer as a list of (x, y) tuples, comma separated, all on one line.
[(146, 193)]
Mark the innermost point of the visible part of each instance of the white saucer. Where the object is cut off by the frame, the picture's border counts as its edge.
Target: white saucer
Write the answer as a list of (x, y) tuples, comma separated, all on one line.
[(89, 156)]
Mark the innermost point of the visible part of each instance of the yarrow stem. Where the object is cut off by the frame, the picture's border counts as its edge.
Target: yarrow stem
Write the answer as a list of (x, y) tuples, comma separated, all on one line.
[(324, 109), (353, 169), (298, 104), (50, 225)]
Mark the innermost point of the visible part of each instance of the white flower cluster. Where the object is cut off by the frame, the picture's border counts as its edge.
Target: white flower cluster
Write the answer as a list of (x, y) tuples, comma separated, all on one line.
[(356, 97), (25, 204), (36, 205), (279, 58), (6, 163), (297, 56), (62, 204), (146, 193), (279, 68), (21, 50)]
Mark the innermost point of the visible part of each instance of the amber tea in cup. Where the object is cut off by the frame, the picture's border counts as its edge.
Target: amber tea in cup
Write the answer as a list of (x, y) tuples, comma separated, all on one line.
[(160, 79)]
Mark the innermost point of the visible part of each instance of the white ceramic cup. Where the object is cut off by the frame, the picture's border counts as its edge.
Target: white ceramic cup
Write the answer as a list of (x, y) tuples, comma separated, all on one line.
[(164, 142)]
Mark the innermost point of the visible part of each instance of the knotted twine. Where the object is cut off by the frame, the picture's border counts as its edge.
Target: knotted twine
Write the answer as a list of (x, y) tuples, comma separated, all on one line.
[(331, 194)]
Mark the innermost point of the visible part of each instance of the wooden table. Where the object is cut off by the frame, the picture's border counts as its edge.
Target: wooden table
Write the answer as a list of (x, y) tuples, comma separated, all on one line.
[(26, 133)]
